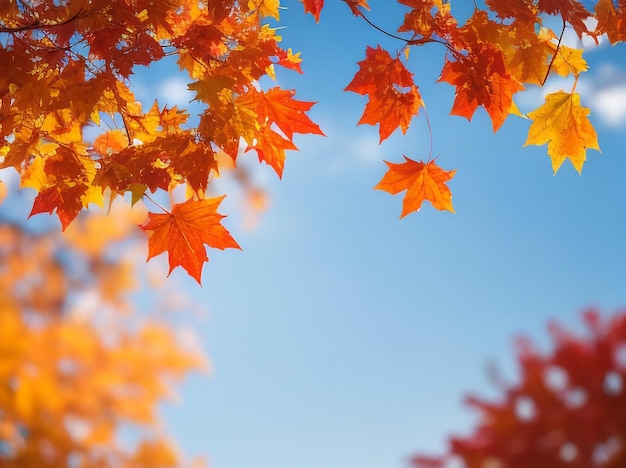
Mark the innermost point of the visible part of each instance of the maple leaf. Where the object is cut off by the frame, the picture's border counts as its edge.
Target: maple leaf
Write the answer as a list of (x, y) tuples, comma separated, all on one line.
[(422, 181), (611, 19), (481, 79), (523, 11), (422, 21), (354, 6), (67, 201), (185, 231), (314, 7), (393, 97), (110, 142), (572, 11), (270, 147), (563, 124), (568, 61), (287, 113)]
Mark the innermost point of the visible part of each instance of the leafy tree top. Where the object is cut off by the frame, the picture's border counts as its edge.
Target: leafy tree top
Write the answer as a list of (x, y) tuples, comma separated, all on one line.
[(68, 65)]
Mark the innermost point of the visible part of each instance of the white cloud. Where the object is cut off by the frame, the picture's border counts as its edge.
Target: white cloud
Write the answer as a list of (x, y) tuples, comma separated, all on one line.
[(605, 94), (610, 105), (173, 92), (571, 39)]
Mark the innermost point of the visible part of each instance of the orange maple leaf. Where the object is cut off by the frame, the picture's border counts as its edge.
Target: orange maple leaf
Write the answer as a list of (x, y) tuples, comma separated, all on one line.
[(422, 181), (279, 106), (393, 97), (184, 232), (611, 20), (270, 147)]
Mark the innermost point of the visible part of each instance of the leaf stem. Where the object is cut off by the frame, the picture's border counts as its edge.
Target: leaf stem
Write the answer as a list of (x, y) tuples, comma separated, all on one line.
[(430, 134), (378, 28), (156, 203), (558, 46)]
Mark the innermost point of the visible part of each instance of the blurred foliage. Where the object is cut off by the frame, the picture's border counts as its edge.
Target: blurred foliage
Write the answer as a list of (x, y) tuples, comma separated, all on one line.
[(82, 370)]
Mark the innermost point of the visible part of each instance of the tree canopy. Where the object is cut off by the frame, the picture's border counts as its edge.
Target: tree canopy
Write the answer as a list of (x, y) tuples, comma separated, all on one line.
[(73, 129), (567, 409)]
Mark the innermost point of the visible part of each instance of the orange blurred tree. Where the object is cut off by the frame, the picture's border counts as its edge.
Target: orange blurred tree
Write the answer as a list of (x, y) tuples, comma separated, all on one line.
[(568, 409), (68, 64), (79, 364)]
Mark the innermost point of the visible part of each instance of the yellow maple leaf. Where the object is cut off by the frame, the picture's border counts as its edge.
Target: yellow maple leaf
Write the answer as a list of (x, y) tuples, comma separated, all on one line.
[(562, 123), (266, 7), (568, 60)]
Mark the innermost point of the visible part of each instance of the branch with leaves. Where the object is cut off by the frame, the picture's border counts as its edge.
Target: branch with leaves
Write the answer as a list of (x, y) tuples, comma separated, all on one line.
[(68, 66)]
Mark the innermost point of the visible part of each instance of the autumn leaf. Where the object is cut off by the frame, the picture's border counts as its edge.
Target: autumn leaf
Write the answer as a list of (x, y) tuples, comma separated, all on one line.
[(185, 231), (562, 123), (393, 97), (110, 142), (611, 19), (67, 201), (571, 11), (481, 79), (354, 6), (270, 147), (422, 181), (278, 106), (314, 7)]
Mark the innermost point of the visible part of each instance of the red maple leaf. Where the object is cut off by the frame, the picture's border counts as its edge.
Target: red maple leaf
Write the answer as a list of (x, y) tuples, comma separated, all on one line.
[(571, 11), (67, 201), (314, 7), (185, 231), (481, 79)]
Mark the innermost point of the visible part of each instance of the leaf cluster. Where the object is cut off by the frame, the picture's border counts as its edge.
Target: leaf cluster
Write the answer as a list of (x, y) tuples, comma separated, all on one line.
[(67, 74)]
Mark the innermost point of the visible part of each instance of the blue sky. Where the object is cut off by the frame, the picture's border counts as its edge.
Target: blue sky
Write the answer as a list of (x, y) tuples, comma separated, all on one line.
[(344, 337)]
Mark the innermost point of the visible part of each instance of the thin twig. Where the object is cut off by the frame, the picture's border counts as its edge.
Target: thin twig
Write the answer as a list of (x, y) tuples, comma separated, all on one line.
[(157, 204), (39, 25), (430, 134), (558, 46), (378, 28)]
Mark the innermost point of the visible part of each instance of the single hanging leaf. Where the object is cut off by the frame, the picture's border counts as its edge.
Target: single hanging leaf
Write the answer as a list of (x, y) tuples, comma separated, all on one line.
[(422, 181), (562, 123), (184, 232)]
